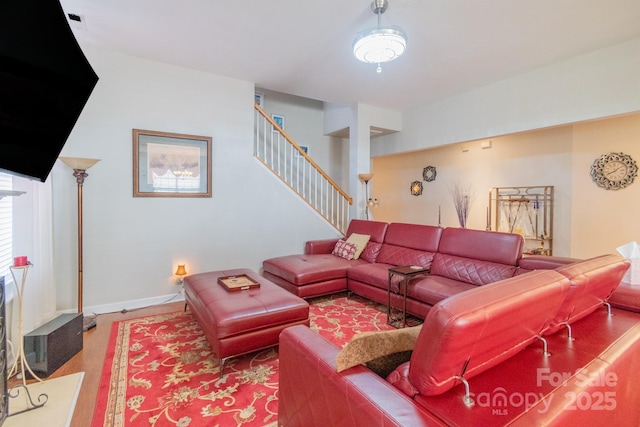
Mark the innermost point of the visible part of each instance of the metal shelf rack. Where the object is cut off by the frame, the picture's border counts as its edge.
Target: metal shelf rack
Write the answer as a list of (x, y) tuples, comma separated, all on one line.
[(524, 210)]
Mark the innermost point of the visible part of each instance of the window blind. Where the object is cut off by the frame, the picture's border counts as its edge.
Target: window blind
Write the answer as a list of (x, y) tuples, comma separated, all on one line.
[(6, 228)]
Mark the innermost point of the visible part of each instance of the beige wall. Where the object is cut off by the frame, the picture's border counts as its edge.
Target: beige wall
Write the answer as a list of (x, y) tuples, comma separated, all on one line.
[(603, 219), (588, 220)]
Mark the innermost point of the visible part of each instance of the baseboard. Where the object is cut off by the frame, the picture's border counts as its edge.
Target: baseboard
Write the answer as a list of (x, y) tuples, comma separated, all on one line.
[(131, 304)]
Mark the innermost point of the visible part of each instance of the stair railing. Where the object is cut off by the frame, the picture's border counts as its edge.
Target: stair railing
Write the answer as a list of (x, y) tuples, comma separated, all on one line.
[(284, 157)]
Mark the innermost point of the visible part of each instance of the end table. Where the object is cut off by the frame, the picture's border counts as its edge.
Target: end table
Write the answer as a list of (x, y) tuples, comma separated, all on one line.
[(397, 317)]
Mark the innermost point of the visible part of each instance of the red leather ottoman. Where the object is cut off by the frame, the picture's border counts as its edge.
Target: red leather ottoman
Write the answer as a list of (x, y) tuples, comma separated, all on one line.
[(243, 321)]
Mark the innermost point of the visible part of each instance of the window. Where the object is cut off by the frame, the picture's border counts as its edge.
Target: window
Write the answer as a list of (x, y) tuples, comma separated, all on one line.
[(6, 228)]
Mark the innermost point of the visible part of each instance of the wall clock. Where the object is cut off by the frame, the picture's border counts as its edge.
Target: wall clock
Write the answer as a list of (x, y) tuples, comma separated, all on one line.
[(614, 171), (429, 173), (416, 188)]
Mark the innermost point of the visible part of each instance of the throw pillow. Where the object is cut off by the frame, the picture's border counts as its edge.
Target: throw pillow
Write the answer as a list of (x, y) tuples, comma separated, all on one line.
[(370, 253), (360, 240), (367, 346), (344, 250)]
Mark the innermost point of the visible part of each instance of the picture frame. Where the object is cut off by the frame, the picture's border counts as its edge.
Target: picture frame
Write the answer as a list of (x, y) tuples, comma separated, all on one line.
[(171, 164), (279, 120), (259, 99), (304, 148)]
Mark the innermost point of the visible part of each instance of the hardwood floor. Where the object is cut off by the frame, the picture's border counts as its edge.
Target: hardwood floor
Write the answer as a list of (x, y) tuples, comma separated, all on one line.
[(91, 359)]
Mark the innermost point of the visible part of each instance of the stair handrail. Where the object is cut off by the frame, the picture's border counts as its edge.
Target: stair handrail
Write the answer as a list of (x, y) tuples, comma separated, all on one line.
[(305, 155)]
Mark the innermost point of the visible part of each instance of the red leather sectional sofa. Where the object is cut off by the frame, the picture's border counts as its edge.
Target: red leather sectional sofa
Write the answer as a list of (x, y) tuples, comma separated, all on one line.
[(506, 340), (460, 259)]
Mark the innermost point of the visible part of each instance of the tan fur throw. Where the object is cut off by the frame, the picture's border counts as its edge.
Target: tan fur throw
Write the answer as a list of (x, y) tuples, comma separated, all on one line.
[(368, 346)]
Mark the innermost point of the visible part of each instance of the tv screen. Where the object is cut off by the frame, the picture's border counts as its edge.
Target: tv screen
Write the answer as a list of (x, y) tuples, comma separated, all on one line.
[(45, 82)]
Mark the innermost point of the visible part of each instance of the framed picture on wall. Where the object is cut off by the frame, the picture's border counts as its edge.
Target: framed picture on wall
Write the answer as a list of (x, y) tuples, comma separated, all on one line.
[(304, 148), (279, 120), (171, 164), (259, 99)]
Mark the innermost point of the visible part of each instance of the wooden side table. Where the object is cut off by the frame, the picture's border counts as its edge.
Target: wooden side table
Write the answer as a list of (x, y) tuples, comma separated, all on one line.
[(397, 317)]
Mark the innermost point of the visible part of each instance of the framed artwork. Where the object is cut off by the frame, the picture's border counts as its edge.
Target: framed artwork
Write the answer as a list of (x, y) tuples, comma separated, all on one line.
[(259, 99), (171, 164), (279, 120), (304, 148)]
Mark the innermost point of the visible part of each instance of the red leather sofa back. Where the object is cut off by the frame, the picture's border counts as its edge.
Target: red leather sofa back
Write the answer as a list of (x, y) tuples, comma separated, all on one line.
[(477, 257), (375, 229), (409, 244), (473, 331), (592, 282)]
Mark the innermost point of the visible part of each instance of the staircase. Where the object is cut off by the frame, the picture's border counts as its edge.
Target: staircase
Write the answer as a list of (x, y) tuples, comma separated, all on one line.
[(282, 156)]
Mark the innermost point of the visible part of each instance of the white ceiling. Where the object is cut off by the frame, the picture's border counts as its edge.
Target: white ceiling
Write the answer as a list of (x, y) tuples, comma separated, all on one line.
[(303, 47)]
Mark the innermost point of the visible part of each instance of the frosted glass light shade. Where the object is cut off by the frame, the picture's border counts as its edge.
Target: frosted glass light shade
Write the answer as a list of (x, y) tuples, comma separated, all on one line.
[(377, 45)]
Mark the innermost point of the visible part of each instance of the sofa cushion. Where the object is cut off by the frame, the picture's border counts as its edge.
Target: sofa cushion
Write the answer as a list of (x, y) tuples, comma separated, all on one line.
[(592, 283), (368, 346), (376, 275), (433, 289), (360, 240), (470, 270), (371, 251), (415, 236), (304, 269), (476, 330), (400, 255), (344, 249), (375, 229), (491, 246)]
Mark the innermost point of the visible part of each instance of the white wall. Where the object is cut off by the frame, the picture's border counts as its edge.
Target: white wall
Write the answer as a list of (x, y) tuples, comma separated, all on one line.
[(595, 85), (132, 245), (304, 123)]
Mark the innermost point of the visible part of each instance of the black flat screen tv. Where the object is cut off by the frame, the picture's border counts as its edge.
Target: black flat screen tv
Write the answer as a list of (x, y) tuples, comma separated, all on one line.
[(45, 82)]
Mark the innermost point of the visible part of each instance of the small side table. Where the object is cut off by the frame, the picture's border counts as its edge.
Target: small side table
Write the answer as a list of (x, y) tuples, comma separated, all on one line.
[(397, 317), (20, 357)]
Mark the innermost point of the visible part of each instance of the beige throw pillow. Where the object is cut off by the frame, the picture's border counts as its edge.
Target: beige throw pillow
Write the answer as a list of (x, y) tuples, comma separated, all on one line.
[(360, 240), (367, 346)]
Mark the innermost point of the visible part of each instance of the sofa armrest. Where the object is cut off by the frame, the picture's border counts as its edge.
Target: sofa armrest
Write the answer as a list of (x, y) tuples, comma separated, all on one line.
[(313, 393), (320, 246)]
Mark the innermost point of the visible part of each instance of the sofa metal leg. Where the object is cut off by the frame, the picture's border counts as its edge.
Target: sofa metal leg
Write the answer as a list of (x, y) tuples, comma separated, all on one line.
[(544, 346), (608, 307), (569, 331), (467, 399)]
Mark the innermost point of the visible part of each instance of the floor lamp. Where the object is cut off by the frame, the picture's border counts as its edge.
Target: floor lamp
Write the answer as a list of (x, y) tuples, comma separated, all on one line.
[(366, 177), (80, 166)]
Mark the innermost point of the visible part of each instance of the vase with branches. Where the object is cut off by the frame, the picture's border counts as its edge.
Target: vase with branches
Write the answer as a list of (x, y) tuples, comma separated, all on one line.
[(462, 200)]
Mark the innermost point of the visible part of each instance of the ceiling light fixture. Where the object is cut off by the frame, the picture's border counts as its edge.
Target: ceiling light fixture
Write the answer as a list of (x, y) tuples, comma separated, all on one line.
[(380, 44)]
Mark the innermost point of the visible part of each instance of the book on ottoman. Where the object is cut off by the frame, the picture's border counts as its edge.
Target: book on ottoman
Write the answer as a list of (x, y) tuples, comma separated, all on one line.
[(238, 283)]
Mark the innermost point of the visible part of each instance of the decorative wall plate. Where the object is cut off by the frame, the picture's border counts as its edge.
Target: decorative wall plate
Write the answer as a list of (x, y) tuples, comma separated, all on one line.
[(614, 171), (416, 188), (429, 173)]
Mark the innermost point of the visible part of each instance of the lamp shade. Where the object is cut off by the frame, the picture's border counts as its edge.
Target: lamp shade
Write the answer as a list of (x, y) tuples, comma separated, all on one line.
[(365, 177), (78, 162), (181, 271)]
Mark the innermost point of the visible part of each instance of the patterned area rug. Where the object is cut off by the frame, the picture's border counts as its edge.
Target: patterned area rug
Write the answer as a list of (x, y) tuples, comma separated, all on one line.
[(159, 370)]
